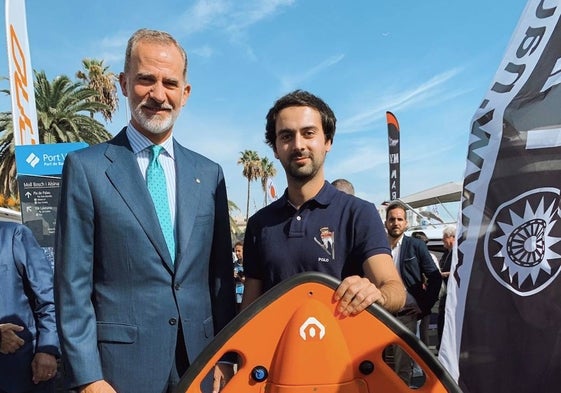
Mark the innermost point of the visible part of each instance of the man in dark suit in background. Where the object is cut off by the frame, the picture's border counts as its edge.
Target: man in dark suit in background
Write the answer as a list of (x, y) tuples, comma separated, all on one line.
[(414, 263), (143, 279), (28, 336)]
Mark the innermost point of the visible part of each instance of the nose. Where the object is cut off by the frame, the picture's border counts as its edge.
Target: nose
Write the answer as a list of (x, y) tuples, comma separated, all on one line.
[(298, 142), (157, 93)]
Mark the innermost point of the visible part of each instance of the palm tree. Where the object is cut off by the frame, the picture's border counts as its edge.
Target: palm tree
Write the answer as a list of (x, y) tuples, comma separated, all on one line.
[(62, 116), (234, 228), (97, 77), (8, 185), (251, 171), (267, 171), (61, 107)]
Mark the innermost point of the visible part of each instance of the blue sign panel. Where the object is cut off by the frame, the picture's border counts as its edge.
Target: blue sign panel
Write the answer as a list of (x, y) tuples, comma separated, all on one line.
[(44, 159)]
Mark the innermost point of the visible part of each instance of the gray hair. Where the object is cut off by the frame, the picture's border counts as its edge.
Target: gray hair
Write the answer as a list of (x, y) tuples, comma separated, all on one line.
[(154, 36), (450, 230)]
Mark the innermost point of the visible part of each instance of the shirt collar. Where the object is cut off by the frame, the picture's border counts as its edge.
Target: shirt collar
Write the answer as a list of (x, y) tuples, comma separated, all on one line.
[(323, 197), (139, 142), (398, 244)]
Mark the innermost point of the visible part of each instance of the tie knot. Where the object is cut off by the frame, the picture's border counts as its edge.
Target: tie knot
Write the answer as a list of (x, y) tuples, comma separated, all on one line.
[(155, 151)]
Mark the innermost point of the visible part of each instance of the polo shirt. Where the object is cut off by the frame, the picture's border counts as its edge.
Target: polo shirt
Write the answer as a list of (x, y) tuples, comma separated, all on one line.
[(332, 233)]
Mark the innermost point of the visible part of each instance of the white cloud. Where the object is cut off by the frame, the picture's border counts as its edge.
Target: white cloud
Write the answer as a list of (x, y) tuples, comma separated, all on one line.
[(203, 51), (293, 81), (112, 50), (203, 14), (231, 16), (424, 94)]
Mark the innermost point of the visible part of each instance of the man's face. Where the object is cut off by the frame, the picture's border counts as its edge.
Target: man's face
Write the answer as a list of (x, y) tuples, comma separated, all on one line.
[(155, 87), (448, 241), (300, 142), (396, 222)]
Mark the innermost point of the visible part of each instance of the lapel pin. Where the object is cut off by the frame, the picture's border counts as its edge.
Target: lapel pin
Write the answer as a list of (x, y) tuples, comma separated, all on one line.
[(198, 180)]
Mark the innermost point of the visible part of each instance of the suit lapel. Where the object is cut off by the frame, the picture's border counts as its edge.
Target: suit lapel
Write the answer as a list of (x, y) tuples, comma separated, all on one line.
[(402, 252), (125, 176), (188, 194)]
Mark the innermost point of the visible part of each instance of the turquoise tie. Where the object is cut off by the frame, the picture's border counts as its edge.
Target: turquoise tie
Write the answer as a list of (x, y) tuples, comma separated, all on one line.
[(156, 182)]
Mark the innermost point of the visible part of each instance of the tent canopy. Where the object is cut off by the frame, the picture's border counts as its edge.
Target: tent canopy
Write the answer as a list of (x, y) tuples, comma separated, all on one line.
[(444, 193)]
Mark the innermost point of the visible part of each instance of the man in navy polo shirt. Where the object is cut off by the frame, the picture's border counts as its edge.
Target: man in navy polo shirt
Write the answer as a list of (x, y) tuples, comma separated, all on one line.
[(314, 226)]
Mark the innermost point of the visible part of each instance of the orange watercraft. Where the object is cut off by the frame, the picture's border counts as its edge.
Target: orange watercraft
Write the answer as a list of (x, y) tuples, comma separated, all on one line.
[(292, 340)]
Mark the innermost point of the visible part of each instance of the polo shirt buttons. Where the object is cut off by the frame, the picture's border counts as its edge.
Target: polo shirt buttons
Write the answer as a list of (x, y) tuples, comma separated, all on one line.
[(172, 321), (298, 218)]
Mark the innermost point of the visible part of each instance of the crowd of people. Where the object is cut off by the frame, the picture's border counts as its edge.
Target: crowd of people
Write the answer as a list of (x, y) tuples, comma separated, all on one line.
[(143, 278)]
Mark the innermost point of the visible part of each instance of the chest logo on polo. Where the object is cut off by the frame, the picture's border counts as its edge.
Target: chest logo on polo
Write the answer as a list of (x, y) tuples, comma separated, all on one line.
[(326, 241)]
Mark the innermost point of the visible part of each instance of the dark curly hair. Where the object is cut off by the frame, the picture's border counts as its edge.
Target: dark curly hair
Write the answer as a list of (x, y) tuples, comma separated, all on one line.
[(300, 98)]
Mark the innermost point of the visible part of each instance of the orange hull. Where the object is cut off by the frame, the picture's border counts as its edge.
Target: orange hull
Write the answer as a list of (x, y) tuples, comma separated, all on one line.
[(291, 340)]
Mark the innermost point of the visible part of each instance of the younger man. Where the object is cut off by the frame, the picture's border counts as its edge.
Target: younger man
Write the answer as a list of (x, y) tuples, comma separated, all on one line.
[(314, 226)]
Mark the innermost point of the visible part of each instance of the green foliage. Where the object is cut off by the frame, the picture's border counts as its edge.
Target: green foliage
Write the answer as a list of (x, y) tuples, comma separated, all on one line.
[(64, 114), (255, 167)]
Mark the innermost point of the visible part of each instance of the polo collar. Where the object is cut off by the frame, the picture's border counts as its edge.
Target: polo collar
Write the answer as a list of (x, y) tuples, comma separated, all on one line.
[(323, 197)]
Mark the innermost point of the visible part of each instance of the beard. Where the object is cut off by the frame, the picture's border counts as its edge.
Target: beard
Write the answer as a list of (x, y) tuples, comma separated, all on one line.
[(155, 124), (395, 232), (302, 172)]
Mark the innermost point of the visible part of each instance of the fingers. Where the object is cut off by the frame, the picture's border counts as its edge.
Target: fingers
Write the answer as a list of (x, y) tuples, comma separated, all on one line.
[(355, 294), (11, 342), (44, 367)]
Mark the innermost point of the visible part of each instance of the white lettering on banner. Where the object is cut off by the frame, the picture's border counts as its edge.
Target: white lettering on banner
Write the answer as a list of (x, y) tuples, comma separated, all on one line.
[(55, 157)]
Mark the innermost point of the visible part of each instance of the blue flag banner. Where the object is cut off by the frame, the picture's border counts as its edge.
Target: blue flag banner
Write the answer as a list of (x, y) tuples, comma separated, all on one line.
[(503, 312)]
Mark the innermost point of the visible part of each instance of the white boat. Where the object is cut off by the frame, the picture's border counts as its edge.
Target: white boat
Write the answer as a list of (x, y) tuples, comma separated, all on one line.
[(431, 210), (10, 215)]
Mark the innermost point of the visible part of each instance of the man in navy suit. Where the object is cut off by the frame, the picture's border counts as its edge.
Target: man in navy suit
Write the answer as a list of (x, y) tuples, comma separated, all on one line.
[(28, 337), (132, 312), (419, 274)]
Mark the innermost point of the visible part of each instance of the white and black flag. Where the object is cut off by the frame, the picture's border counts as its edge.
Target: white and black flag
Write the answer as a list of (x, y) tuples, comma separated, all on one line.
[(503, 310)]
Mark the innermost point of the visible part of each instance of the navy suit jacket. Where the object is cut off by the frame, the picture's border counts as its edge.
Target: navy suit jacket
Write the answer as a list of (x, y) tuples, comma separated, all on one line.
[(120, 299), (415, 262), (26, 299)]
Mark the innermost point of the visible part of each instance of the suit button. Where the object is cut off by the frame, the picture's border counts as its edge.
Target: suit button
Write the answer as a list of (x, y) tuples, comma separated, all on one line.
[(177, 287), (172, 321)]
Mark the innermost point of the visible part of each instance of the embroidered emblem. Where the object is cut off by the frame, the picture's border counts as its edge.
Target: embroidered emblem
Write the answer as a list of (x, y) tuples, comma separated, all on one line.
[(327, 241)]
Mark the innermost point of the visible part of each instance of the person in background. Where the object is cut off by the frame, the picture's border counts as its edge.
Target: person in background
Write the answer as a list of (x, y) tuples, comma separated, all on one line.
[(29, 345), (344, 185), (239, 275), (143, 265), (448, 240), (314, 226), (425, 321), (419, 274)]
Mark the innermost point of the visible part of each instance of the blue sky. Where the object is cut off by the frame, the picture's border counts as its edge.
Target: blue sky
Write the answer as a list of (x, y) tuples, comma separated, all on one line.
[(429, 62)]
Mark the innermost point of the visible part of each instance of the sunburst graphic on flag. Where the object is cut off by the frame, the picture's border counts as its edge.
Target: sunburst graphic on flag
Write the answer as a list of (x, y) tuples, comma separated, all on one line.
[(524, 232)]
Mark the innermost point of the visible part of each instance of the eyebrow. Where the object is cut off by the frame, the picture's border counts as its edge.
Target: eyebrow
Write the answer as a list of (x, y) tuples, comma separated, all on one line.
[(152, 76)]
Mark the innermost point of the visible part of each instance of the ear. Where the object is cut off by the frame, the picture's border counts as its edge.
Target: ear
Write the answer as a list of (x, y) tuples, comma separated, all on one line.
[(123, 83), (186, 94), (328, 145)]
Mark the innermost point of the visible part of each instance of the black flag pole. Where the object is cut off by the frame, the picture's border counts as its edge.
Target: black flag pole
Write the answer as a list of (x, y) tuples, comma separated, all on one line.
[(393, 144)]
